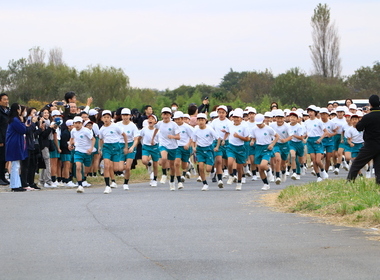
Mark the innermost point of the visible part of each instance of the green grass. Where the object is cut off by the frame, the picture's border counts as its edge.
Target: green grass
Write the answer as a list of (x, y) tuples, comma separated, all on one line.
[(357, 201)]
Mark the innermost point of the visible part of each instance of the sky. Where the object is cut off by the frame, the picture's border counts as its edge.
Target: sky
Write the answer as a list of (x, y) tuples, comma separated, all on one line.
[(165, 44)]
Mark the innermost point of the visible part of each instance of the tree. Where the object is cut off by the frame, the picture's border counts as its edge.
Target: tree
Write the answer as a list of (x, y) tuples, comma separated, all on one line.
[(36, 56), (325, 48), (55, 57), (365, 81)]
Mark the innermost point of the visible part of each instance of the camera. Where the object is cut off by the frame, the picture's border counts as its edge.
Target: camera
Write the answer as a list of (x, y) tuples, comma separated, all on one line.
[(59, 103)]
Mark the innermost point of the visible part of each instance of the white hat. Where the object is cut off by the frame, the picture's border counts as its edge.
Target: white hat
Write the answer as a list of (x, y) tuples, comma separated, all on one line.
[(286, 112), (153, 116), (268, 115), (348, 114), (313, 108), (77, 119), (186, 116), (87, 122), (213, 114), (259, 119), (237, 113), (231, 113), (333, 112), (251, 110), (106, 112), (202, 116), (305, 113), (125, 111), (359, 113), (339, 109), (166, 110), (178, 114), (222, 107), (353, 106), (278, 113), (92, 112), (69, 122), (295, 113), (55, 113), (324, 110)]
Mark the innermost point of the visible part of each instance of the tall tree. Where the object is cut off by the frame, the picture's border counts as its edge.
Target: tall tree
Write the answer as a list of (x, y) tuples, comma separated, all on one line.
[(326, 42)]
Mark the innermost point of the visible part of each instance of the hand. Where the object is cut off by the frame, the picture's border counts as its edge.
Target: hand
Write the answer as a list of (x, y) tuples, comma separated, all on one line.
[(130, 150), (89, 101), (352, 145), (270, 147), (71, 147), (89, 151), (216, 149), (318, 141), (1, 144), (59, 151), (35, 119), (186, 147), (125, 150), (251, 143)]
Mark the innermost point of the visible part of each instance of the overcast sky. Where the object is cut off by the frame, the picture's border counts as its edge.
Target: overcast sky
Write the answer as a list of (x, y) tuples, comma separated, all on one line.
[(164, 44)]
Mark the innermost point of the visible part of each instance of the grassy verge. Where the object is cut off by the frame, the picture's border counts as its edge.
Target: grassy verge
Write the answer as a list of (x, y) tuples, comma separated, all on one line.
[(350, 204)]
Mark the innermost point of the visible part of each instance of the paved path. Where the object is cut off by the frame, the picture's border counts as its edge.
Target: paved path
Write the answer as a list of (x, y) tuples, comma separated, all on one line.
[(152, 233)]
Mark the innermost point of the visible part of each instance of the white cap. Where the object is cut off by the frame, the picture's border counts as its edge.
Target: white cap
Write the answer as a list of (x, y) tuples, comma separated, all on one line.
[(295, 113), (333, 112), (231, 113), (69, 122), (86, 122), (213, 114), (251, 110), (55, 113), (259, 119), (268, 115), (313, 108), (353, 106), (152, 116), (359, 113), (348, 114), (125, 111), (178, 114), (286, 112), (238, 113), (339, 109), (222, 107), (106, 112), (202, 116), (278, 113), (166, 110), (77, 119), (92, 112), (324, 110), (186, 116), (305, 113), (300, 110)]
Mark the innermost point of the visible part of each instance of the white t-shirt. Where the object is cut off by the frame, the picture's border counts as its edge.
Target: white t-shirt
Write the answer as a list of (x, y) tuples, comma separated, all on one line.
[(82, 139), (130, 130), (219, 126), (263, 136), (329, 126), (283, 131), (297, 130), (96, 129), (241, 129), (166, 129), (186, 131), (355, 135), (204, 137), (314, 128), (339, 123), (146, 136), (110, 134)]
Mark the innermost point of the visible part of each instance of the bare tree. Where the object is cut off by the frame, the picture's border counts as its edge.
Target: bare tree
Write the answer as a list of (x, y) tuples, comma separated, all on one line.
[(36, 56), (55, 56), (326, 43)]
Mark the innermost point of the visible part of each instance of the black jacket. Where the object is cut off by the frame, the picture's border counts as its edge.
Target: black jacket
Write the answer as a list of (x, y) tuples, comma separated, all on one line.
[(4, 116), (370, 124)]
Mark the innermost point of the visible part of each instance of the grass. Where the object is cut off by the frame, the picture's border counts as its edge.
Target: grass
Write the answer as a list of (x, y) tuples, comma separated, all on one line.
[(355, 203)]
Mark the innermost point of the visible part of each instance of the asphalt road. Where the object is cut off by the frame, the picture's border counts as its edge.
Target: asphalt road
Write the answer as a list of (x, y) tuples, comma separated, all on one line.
[(153, 233)]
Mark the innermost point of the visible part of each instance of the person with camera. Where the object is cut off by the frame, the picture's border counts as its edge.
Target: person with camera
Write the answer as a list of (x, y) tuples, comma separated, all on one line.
[(205, 106), (4, 117)]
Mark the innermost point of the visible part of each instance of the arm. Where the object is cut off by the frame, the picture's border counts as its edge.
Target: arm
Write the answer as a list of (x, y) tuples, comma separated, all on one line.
[(271, 145), (126, 150)]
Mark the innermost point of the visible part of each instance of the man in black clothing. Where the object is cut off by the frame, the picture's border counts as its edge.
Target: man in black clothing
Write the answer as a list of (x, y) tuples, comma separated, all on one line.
[(205, 106), (370, 124), (4, 116)]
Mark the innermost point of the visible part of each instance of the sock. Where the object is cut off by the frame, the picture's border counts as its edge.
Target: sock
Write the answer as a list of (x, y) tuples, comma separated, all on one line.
[(171, 179), (113, 180), (337, 165), (149, 163), (204, 182), (53, 178), (220, 177), (318, 174), (126, 181), (239, 182), (265, 181), (179, 179), (163, 171), (234, 172), (212, 170), (79, 183), (59, 179), (283, 171), (107, 181), (155, 178), (294, 170), (183, 173), (84, 178), (322, 170), (254, 172), (277, 174)]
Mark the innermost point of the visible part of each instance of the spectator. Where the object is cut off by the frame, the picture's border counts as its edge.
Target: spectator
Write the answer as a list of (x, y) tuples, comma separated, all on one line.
[(4, 117), (204, 107)]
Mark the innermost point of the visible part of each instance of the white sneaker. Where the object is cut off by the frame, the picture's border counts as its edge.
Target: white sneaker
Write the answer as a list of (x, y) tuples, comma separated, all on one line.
[(180, 186), (153, 183), (205, 188), (283, 177), (183, 179), (243, 180), (150, 167), (254, 177), (313, 173), (220, 184), (345, 165), (86, 184), (287, 173), (319, 179), (125, 187), (238, 187), (368, 174), (303, 170), (107, 190), (324, 175), (278, 180), (235, 179), (151, 176), (336, 171), (60, 184), (230, 180), (80, 189), (298, 177), (46, 185), (212, 174), (188, 175), (270, 176), (199, 179), (265, 187), (172, 186), (71, 185), (331, 168), (294, 176), (373, 170), (248, 173), (163, 179), (113, 185), (225, 174)]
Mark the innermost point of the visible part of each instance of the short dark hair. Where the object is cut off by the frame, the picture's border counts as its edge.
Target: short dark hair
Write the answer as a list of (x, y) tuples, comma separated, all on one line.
[(69, 95), (192, 109)]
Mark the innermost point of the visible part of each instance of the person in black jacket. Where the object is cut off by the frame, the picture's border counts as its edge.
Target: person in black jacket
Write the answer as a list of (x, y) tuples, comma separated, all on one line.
[(370, 125), (205, 106), (4, 116)]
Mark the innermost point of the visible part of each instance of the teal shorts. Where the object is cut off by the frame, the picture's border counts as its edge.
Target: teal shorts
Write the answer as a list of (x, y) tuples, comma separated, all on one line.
[(83, 158), (171, 152), (123, 156), (183, 154), (239, 153), (312, 147), (337, 138), (222, 151), (298, 147), (251, 149), (55, 154), (344, 145), (205, 155), (328, 144), (65, 157), (152, 151), (355, 149), (283, 149), (262, 153), (112, 152), (96, 146)]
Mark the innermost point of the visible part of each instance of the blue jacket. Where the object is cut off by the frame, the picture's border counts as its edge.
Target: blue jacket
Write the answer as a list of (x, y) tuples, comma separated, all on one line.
[(15, 147)]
